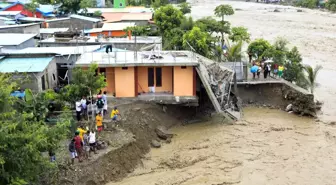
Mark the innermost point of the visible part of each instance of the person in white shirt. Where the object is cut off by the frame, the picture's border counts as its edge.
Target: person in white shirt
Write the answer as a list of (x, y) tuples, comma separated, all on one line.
[(78, 110), (84, 106), (92, 141), (105, 103)]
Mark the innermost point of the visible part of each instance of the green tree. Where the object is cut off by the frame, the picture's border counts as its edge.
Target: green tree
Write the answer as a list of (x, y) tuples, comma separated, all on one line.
[(222, 10), (331, 5), (307, 3), (139, 30), (32, 6), (197, 40), (311, 75), (84, 4), (167, 17), (172, 39), (259, 47), (234, 53), (97, 13), (208, 24), (83, 81), (22, 140), (69, 6), (187, 23), (239, 33), (279, 51), (293, 67), (158, 3), (185, 8)]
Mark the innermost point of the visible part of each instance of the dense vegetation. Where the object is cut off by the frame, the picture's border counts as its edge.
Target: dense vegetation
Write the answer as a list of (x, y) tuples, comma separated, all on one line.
[(329, 5)]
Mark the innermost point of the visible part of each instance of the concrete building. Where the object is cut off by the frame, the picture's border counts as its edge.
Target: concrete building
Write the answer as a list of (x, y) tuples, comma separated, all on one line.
[(122, 43), (33, 28), (16, 41), (137, 18), (169, 75), (63, 57), (41, 71), (110, 30), (49, 32), (75, 22)]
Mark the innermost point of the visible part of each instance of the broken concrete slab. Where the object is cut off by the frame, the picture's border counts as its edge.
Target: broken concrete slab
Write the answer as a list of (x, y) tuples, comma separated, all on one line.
[(163, 133)]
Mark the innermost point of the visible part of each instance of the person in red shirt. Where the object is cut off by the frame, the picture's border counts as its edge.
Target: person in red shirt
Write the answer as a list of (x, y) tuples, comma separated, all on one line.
[(78, 146)]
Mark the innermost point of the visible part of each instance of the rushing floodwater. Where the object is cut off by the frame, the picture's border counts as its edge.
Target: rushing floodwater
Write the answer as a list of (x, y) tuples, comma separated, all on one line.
[(313, 32), (272, 147)]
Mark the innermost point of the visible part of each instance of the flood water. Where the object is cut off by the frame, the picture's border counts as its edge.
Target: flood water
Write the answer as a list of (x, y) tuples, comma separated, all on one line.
[(312, 31), (271, 147)]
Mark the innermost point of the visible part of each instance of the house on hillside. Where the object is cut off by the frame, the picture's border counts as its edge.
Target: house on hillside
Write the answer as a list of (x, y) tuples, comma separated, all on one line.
[(74, 22), (166, 77), (14, 41), (110, 30), (41, 71)]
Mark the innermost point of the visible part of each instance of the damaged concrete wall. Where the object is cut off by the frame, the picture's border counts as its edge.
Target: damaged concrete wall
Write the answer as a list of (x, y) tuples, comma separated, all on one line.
[(277, 95)]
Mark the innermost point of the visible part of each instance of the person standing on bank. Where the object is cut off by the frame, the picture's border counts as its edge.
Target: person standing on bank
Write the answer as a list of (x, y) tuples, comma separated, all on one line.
[(105, 103), (100, 105), (265, 71), (78, 110)]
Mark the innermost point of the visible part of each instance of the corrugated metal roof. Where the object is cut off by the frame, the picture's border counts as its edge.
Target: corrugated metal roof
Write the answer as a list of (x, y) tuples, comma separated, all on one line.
[(10, 65), (59, 19), (55, 50), (116, 26), (12, 39), (137, 17), (120, 10), (113, 17), (9, 13), (93, 30), (85, 18), (53, 30), (30, 19)]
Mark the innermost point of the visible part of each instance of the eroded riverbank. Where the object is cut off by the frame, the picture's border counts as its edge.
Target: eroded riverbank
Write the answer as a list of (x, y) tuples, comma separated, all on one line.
[(272, 147)]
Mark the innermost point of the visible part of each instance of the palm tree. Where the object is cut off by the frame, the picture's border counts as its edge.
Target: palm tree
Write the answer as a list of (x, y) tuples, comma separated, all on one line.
[(221, 11), (311, 75), (233, 55)]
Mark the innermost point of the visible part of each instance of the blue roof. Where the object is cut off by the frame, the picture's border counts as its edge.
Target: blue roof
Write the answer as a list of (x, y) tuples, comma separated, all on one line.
[(22, 65), (11, 5), (46, 9)]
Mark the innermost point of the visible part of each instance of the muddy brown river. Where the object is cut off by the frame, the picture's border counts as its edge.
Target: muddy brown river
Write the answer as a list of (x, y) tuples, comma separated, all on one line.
[(272, 147), (268, 147)]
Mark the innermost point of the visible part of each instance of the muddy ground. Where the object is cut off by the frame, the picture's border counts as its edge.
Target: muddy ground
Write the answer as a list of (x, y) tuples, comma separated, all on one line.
[(268, 147), (128, 143)]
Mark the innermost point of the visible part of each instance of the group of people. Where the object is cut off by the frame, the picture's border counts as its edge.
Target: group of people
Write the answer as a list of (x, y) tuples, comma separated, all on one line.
[(84, 140), (82, 144), (81, 106), (266, 68)]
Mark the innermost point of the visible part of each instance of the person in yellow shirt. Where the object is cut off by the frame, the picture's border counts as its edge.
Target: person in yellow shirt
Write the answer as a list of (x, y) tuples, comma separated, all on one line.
[(114, 114), (99, 122), (280, 71), (81, 131)]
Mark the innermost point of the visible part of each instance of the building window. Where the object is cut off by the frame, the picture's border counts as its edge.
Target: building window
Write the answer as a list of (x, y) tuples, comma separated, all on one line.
[(183, 67), (124, 68), (43, 83), (103, 71), (158, 76), (54, 77)]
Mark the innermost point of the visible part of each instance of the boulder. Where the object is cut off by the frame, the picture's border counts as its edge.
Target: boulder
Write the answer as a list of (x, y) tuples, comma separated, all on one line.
[(155, 144), (289, 107), (163, 133)]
